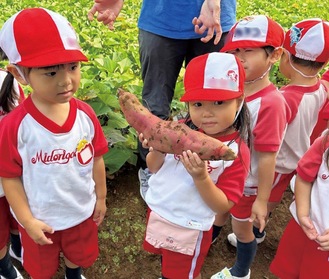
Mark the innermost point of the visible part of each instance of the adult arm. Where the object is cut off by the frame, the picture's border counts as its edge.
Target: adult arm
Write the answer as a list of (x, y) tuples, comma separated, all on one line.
[(107, 11)]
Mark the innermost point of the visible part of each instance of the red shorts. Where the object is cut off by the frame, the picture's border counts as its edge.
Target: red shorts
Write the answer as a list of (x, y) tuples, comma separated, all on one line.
[(297, 256), (280, 185), (176, 265), (7, 222), (242, 210), (79, 245)]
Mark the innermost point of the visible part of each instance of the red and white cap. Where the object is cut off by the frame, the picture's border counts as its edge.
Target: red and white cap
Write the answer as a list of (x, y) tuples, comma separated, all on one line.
[(253, 32), (213, 77), (309, 40), (37, 37)]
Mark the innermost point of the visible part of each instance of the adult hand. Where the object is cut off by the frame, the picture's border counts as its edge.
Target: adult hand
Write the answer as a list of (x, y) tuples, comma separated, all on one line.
[(107, 10), (209, 20)]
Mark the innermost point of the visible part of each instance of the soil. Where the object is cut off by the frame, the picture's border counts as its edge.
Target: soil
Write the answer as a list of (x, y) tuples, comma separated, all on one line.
[(121, 234)]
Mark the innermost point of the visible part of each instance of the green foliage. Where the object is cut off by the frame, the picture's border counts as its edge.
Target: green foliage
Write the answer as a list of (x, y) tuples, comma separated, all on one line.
[(114, 58), (113, 63)]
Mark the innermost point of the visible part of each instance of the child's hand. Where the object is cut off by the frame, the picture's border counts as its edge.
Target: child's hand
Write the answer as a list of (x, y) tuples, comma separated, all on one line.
[(196, 167), (99, 211), (259, 213), (36, 230), (307, 225), (323, 240), (144, 142)]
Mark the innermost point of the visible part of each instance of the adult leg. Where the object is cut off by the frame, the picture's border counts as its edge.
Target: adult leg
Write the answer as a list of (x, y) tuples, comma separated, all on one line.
[(161, 60), (196, 47)]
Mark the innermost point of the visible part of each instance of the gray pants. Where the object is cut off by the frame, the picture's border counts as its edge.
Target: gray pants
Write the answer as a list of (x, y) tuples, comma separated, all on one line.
[(161, 60)]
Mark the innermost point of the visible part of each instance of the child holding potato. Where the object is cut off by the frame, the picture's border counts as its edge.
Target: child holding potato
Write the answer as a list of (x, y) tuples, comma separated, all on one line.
[(51, 163), (186, 192)]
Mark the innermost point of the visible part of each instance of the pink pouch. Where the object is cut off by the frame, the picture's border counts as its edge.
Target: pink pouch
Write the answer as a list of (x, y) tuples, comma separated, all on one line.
[(163, 234)]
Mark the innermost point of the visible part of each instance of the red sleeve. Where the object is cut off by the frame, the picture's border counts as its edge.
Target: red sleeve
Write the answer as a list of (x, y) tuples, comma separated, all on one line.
[(309, 164), (233, 179), (99, 141), (271, 123), (293, 101), (10, 160)]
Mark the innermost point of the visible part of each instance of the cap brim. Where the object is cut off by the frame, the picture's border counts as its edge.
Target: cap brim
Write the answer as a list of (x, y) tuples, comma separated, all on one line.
[(54, 58), (210, 95), (242, 44)]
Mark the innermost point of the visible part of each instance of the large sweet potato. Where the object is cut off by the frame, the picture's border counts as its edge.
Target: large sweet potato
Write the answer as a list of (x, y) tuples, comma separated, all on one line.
[(171, 136)]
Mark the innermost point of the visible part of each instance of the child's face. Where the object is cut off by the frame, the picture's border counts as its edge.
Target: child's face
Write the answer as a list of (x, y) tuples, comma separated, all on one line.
[(214, 117), (55, 84), (255, 61)]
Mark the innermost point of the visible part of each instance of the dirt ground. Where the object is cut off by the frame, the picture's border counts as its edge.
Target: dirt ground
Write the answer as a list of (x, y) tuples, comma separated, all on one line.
[(121, 234)]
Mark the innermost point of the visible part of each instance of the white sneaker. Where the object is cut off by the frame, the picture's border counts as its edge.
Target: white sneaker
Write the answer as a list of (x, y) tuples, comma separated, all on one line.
[(233, 241), (19, 275), (144, 176), (13, 255), (226, 274), (82, 277)]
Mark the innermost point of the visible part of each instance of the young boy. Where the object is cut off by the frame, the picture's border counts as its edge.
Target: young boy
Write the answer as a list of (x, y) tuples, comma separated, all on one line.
[(51, 163), (301, 62), (256, 41)]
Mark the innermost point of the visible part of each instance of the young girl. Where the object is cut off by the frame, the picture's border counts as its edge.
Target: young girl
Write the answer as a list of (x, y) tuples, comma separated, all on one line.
[(256, 41), (305, 241), (185, 192), (11, 95), (51, 163)]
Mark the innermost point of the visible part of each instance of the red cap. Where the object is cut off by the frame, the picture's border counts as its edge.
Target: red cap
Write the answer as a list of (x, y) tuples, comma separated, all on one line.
[(253, 32), (213, 77), (38, 37), (309, 40)]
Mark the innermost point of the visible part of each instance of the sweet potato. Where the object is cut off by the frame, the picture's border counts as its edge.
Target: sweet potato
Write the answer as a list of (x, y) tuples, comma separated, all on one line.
[(170, 136)]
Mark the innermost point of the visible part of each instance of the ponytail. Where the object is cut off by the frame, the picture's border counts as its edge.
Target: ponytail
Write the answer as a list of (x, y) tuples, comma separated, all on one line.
[(8, 95)]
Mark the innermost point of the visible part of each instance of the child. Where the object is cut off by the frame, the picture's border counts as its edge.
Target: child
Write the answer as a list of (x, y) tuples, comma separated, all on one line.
[(182, 208), (11, 95), (301, 62), (256, 41), (321, 124), (51, 161), (305, 241)]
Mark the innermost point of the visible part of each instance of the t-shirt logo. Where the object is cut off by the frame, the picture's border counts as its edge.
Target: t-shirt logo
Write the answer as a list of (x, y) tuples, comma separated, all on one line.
[(84, 152)]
